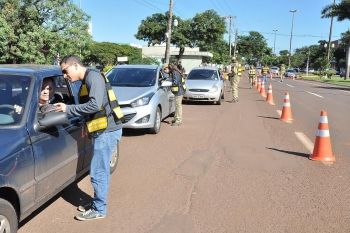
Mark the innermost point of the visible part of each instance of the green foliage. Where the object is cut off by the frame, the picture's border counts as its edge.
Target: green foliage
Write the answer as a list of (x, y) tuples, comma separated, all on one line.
[(106, 53), (254, 47), (204, 30), (340, 10), (33, 31)]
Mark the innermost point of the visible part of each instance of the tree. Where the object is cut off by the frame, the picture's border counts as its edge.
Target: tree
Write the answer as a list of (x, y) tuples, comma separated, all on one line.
[(34, 31), (253, 46), (342, 12), (106, 54), (202, 30)]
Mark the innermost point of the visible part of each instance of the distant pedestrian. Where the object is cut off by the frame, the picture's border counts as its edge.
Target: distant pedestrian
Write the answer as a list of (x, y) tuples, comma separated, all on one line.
[(103, 116), (282, 72)]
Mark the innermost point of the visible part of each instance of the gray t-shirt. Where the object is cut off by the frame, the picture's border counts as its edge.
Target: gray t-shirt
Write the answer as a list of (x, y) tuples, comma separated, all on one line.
[(96, 86)]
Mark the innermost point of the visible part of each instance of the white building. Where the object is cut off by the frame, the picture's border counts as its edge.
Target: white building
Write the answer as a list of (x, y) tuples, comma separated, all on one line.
[(192, 57)]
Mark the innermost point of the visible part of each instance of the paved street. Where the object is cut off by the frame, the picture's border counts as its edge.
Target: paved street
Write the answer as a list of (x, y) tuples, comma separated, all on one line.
[(229, 168)]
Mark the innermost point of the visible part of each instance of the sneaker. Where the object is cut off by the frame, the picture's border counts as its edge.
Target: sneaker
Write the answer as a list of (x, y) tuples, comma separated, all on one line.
[(176, 123), (89, 215), (83, 208)]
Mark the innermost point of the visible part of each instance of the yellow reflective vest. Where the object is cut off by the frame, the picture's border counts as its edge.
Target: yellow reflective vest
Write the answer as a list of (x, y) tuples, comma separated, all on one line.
[(99, 120)]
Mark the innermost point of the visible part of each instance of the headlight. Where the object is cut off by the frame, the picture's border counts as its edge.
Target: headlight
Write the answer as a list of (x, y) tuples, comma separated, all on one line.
[(214, 88), (142, 101)]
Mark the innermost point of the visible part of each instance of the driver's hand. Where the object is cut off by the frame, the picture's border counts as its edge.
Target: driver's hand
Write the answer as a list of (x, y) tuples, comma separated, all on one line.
[(60, 107)]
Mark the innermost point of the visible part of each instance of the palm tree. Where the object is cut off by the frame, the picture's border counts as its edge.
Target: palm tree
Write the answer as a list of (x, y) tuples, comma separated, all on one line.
[(342, 12)]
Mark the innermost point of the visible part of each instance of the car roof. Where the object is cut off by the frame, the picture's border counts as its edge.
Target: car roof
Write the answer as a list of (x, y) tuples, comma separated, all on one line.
[(205, 68), (142, 66), (30, 69)]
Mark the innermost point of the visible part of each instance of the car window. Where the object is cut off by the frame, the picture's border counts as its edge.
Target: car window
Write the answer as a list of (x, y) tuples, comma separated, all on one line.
[(202, 75), (13, 98), (132, 77)]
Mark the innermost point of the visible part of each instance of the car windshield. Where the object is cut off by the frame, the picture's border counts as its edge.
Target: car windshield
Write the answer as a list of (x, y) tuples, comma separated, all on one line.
[(13, 98), (132, 77), (291, 71), (202, 75)]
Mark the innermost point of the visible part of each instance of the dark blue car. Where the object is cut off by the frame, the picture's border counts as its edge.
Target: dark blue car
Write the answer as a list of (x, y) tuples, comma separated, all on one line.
[(40, 153)]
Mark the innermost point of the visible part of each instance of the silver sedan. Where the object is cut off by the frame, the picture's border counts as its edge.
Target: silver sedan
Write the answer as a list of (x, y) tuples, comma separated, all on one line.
[(204, 84)]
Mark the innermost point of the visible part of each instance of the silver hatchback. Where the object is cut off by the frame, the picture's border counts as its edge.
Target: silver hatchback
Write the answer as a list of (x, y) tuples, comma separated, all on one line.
[(204, 84), (145, 102)]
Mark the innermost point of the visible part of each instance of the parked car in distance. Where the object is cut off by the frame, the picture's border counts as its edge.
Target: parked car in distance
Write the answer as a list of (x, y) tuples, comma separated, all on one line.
[(143, 99), (40, 153), (291, 73), (274, 70), (204, 84)]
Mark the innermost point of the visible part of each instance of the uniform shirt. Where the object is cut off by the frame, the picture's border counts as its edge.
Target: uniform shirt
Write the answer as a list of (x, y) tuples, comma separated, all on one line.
[(98, 98), (265, 70), (177, 81)]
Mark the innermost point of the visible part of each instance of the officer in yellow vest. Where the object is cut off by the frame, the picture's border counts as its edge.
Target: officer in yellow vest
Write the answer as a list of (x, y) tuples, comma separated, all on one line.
[(252, 76), (235, 77), (265, 71), (178, 88), (99, 106)]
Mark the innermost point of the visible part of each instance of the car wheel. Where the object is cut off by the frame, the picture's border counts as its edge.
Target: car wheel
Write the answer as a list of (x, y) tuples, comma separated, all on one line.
[(222, 95), (114, 160), (219, 100), (8, 217), (157, 122)]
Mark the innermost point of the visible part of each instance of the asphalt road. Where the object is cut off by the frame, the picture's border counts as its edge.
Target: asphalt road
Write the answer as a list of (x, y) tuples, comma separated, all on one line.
[(229, 168)]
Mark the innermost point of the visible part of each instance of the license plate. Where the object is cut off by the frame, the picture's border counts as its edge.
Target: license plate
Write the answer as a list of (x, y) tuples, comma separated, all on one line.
[(198, 96)]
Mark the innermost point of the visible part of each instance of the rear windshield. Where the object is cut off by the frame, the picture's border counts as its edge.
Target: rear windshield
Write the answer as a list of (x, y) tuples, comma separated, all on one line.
[(132, 77), (13, 98), (203, 75)]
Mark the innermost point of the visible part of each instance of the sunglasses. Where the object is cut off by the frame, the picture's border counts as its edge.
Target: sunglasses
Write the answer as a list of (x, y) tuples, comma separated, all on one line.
[(65, 70)]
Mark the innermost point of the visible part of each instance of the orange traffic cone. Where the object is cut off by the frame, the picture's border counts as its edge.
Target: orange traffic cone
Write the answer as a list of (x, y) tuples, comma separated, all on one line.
[(286, 115), (258, 87), (269, 97), (323, 148), (262, 90)]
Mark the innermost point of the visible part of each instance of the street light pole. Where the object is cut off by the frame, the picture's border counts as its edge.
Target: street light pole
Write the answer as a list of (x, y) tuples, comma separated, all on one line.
[(291, 36), (274, 42), (170, 20)]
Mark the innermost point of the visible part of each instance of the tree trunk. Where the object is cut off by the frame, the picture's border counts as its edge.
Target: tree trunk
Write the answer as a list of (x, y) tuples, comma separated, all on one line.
[(181, 53), (347, 62)]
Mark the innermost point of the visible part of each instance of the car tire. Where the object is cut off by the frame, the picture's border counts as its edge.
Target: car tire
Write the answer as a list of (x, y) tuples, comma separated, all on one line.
[(222, 95), (157, 122), (114, 160), (8, 217), (219, 100)]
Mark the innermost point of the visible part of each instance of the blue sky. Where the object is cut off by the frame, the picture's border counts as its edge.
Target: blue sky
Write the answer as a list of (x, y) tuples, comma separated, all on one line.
[(118, 20)]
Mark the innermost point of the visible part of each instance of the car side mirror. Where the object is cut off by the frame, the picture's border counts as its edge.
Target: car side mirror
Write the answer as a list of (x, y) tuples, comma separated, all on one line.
[(167, 84), (51, 119)]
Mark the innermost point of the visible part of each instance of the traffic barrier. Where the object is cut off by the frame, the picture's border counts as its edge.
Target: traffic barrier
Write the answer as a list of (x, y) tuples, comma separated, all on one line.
[(322, 147), (269, 97), (286, 115), (262, 89)]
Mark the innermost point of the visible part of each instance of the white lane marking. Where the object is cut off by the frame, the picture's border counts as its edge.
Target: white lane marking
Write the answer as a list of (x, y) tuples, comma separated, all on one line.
[(289, 85), (305, 141), (311, 93), (279, 112), (346, 91)]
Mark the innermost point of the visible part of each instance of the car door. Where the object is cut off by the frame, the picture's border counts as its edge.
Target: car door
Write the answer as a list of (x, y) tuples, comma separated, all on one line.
[(58, 151), (167, 97)]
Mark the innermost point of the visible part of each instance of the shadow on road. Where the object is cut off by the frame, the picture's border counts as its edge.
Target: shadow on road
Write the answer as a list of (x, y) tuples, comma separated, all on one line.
[(75, 196), (267, 117), (290, 152)]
